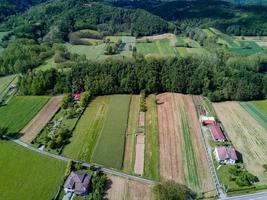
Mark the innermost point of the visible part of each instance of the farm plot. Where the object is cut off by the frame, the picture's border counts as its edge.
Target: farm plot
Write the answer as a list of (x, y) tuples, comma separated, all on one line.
[(86, 132), (129, 155), (248, 137), (254, 109), (151, 169), (41, 119), (28, 175), (109, 150), (20, 110), (179, 135), (120, 189)]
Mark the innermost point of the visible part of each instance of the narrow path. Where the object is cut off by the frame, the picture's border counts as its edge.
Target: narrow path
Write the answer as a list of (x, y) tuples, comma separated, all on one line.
[(63, 158)]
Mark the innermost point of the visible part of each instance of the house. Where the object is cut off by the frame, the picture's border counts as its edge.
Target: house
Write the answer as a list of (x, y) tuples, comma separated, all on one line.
[(225, 155), (76, 96), (78, 183), (216, 132)]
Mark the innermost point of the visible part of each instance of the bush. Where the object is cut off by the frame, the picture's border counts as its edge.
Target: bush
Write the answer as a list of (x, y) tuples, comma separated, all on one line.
[(3, 132)]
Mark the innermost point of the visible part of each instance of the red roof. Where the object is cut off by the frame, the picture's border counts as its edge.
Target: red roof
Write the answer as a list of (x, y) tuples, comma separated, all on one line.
[(226, 153), (208, 122), (76, 96), (216, 131)]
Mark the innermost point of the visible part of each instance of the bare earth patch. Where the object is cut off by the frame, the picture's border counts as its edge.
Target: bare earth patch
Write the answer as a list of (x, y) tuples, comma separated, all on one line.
[(248, 137), (140, 153), (122, 189), (41, 119)]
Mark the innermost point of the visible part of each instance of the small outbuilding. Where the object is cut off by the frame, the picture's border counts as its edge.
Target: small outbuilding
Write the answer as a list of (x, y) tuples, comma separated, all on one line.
[(225, 155), (216, 132), (78, 183), (76, 96)]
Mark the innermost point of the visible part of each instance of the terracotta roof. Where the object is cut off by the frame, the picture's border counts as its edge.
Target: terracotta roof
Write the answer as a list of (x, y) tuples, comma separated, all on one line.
[(78, 181), (216, 131), (76, 96), (226, 153)]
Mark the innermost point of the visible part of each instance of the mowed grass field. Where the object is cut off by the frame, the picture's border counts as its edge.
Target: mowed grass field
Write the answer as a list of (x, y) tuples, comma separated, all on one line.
[(20, 110), (109, 150), (151, 169), (4, 82), (258, 110), (246, 134), (27, 175), (87, 130)]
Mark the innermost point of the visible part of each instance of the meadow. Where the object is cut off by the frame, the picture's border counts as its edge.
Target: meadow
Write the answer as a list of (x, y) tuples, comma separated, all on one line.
[(28, 175), (151, 169), (48, 64), (86, 132), (258, 110), (20, 110), (109, 150)]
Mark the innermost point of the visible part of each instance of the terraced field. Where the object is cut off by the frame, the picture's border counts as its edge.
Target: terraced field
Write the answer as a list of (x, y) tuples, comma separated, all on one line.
[(18, 166), (109, 150), (20, 110), (87, 130), (246, 134)]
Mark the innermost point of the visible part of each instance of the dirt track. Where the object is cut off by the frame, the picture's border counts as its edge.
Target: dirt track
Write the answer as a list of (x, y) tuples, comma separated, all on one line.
[(139, 157), (41, 119), (122, 189)]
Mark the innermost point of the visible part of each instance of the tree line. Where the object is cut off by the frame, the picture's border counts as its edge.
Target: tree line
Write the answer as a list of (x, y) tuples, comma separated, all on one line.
[(216, 76)]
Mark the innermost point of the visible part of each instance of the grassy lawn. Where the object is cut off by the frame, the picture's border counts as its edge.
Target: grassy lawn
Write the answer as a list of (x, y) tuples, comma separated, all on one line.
[(20, 110), (28, 175), (258, 110), (151, 169), (4, 82), (48, 64), (109, 150), (129, 156), (87, 130)]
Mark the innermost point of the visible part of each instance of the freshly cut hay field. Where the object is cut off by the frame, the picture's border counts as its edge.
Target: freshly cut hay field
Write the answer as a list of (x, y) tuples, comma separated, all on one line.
[(109, 150), (28, 175), (41, 119), (179, 135), (258, 110), (246, 134), (86, 132), (129, 154), (20, 110), (121, 189), (151, 169), (4, 82)]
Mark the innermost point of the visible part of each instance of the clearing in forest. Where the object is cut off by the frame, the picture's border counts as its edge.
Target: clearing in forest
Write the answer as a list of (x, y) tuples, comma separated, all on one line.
[(41, 119), (87, 130), (179, 135), (109, 150), (20, 110), (28, 175), (121, 189), (247, 135)]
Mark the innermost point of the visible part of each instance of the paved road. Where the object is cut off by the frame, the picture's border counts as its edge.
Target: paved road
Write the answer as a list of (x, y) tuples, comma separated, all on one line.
[(105, 170), (256, 196)]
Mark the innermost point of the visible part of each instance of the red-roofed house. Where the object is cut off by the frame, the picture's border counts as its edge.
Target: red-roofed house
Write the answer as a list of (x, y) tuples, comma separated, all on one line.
[(76, 96), (225, 155), (216, 132)]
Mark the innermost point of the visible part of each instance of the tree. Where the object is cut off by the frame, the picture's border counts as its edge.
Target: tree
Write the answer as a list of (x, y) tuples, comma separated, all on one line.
[(171, 191), (66, 101), (85, 98), (265, 167)]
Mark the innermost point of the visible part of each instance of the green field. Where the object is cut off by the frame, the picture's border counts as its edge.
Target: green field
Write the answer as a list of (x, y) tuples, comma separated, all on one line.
[(48, 64), (109, 150), (87, 130), (129, 155), (151, 169), (19, 111), (28, 175), (258, 110), (156, 48), (4, 82)]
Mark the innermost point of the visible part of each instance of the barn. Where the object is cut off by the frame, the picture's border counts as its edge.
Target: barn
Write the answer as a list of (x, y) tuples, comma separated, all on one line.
[(216, 132), (225, 155)]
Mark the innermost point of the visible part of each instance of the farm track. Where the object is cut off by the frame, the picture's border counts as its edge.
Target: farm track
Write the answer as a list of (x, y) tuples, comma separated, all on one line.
[(41, 119), (248, 137)]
